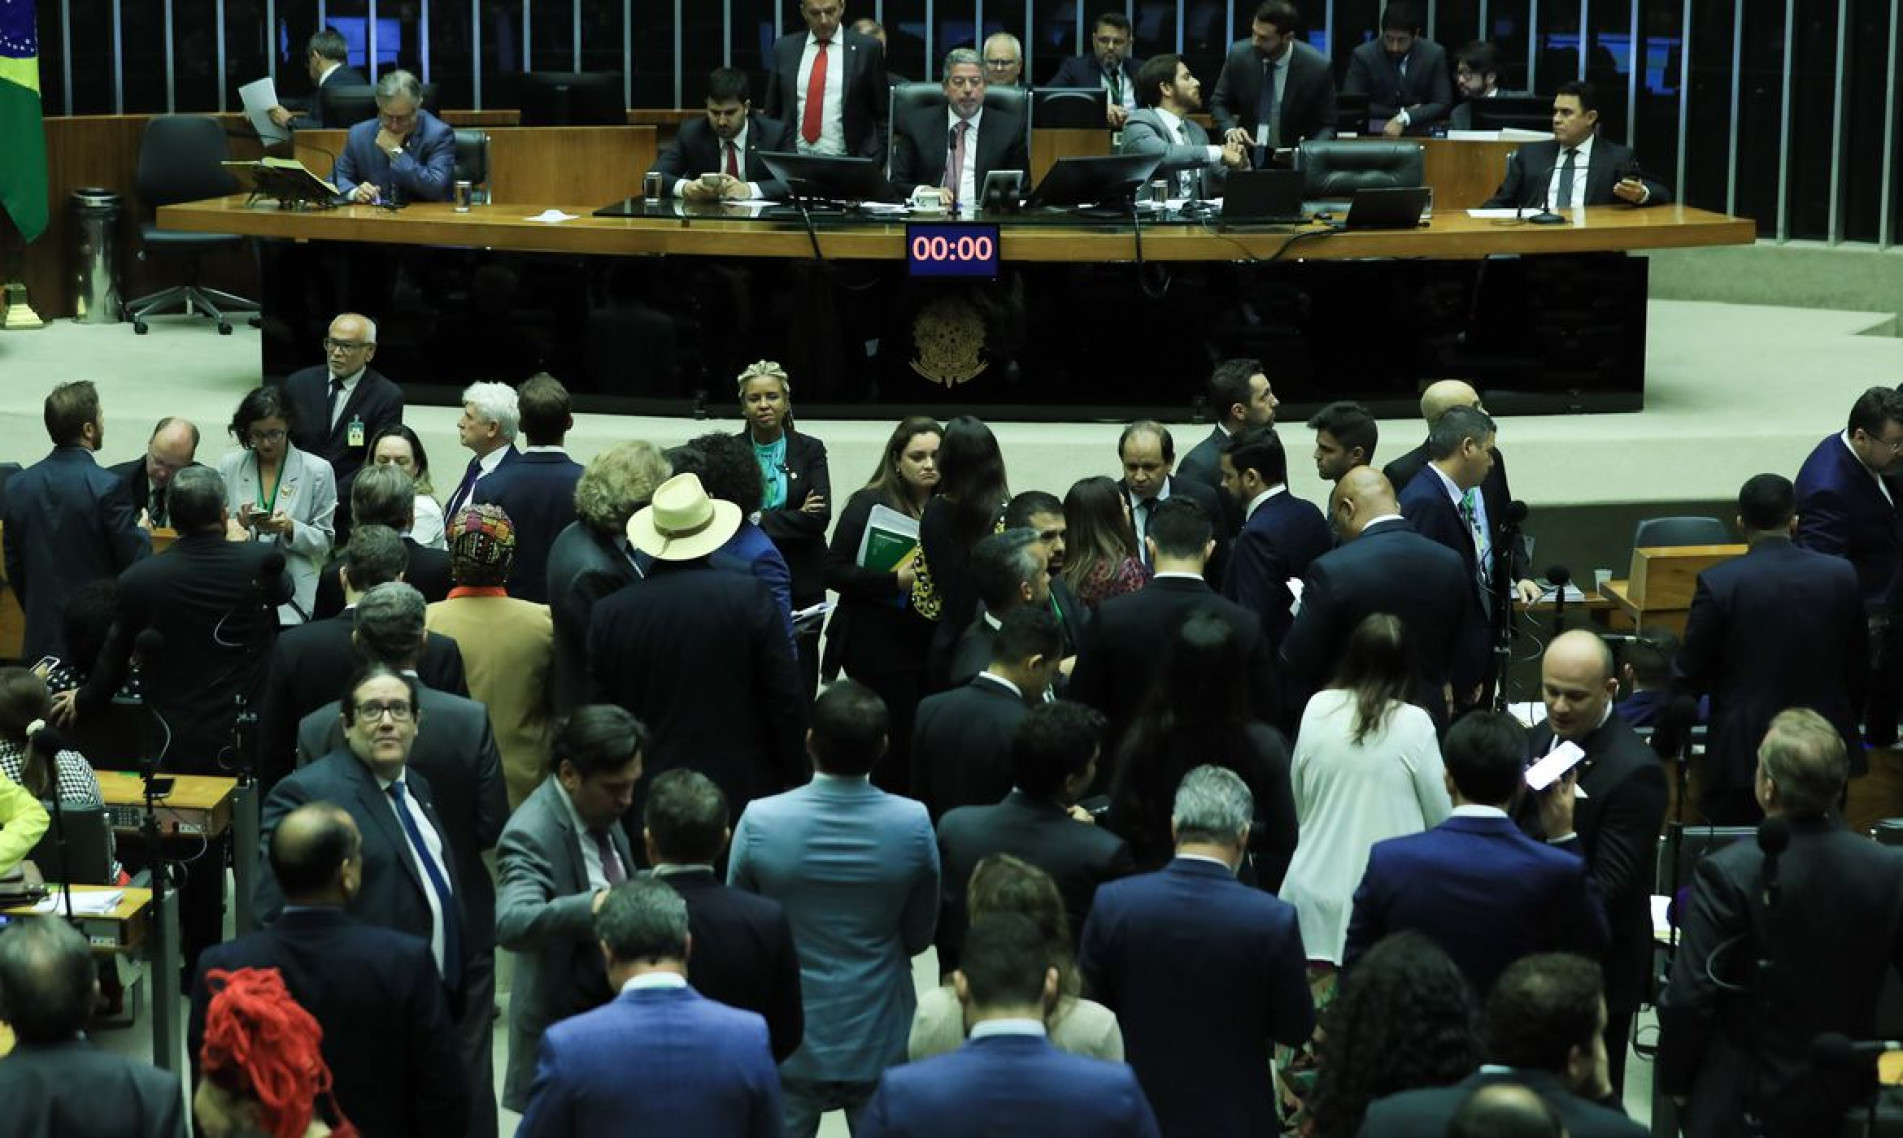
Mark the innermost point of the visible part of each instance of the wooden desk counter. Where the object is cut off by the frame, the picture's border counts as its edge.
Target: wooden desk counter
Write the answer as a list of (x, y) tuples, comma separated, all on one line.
[(1452, 235), (199, 805), (124, 930)]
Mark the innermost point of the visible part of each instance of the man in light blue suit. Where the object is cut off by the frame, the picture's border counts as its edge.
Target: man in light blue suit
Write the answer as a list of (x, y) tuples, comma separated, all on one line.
[(1476, 884), (1008, 1079), (403, 155), (856, 870), (661, 1058)]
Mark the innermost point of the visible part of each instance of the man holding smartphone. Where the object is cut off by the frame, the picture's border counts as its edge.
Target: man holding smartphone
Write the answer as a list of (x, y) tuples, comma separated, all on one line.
[(1608, 810)]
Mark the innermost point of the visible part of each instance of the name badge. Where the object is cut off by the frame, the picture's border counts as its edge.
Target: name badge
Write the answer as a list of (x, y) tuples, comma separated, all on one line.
[(356, 433)]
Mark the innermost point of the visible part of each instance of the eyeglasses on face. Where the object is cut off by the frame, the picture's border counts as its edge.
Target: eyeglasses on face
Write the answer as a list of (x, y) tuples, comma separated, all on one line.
[(373, 710)]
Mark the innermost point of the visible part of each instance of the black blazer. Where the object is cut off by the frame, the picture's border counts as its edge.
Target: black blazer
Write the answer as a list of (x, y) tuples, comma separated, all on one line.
[(1779, 627), (312, 106), (583, 567), (801, 537), (1530, 176), (375, 400), (1143, 792), (1123, 652), (865, 90), (743, 954), (1617, 823), (69, 522), (65, 1089), (1425, 503), (309, 669), (456, 751), (1308, 94), (874, 630), (427, 571), (1390, 568), (1496, 493), (690, 634), (1279, 541), (1085, 71), (1835, 937), (208, 602), (1841, 511), (537, 491), (1215, 502), (1426, 1112), (387, 1036), (392, 896), (1426, 90), (697, 150), (1079, 857), (961, 745), (920, 148)]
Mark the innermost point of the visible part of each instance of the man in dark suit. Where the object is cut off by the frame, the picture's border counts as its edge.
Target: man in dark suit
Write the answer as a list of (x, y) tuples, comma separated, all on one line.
[(727, 141), (660, 1058), (491, 418), (1609, 812), (1383, 565), (828, 84), (1107, 66), (1577, 168), (387, 1036), (1122, 654), (743, 945), (1054, 755), (1009, 570), (1008, 1078), (411, 877), (1345, 437), (1779, 627), (1827, 913), (1206, 974), (592, 558), (1476, 885), (327, 58), (657, 645), (313, 661), (405, 154), (1545, 1032), (1443, 503), (337, 407), (560, 854), (1240, 397), (952, 150), (1043, 514), (1404, 75), (1476, 77), (68, 521), (537, 491), (1194, 163), (55, 1083), (1148, 457), (1274, 90), (1281, 534), (172, 447), (1846, 508), (961, 741), (384, 496)]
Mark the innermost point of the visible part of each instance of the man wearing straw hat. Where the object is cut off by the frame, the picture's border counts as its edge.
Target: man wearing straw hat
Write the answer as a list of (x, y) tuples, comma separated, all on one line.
[(701, 655)]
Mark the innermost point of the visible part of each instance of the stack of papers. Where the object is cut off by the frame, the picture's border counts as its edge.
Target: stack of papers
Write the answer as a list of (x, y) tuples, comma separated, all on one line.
[(92, 903)]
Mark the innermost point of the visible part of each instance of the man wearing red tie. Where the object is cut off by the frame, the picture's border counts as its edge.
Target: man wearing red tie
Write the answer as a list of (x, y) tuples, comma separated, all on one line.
[(727, 144), (829, 83)]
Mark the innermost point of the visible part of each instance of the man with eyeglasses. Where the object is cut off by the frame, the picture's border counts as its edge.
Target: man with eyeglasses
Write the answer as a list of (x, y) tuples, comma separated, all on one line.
[(405, 154), (951, 150), (1107, 65), (338, 406), (1004, 60), (1847, 507), (172, 447)]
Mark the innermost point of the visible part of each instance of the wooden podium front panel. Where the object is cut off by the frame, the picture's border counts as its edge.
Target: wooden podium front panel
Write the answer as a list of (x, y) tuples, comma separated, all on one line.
[(1047, 146), (598, 164)]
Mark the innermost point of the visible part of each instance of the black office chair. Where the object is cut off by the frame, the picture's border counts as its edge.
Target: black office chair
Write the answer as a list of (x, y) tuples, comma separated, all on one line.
[(472, 156), (909, 97), (1336, 169), (1651, 533), (179, 162)]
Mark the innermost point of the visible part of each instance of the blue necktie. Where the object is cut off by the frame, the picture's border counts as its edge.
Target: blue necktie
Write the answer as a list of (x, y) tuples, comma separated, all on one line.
[(464, 488), (452, 928)]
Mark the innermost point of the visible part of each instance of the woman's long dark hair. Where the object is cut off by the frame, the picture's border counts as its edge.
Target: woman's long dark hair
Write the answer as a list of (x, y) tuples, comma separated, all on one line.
[(971, 477), (1405, 1018), (1097, 534), (23, 699), (1378, 667)]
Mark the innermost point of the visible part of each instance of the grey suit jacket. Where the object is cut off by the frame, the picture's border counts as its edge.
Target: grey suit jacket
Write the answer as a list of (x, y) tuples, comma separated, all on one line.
[(1144, 133), (1307, 108), (545, 914)]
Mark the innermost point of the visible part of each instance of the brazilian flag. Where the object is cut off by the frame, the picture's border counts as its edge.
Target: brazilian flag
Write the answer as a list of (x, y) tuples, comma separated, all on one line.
[(22, 140)]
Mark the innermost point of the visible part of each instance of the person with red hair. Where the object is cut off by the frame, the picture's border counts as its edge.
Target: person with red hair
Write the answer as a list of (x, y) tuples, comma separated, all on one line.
[(261, 1068)]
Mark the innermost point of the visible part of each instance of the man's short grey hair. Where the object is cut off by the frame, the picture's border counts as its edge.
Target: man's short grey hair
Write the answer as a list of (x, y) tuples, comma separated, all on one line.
[(1457, 426), (399, 83), (1213, 804), (1804, 755), (495, 403), (959, 55), (383, 495), (389, 621), (1017, 48), (643, 919)]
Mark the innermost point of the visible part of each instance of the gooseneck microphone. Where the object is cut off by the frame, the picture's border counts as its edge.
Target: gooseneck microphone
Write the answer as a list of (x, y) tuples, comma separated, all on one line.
[(1559, 577)]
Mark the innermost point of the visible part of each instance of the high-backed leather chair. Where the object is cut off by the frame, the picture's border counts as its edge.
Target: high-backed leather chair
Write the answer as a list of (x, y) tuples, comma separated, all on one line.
[(1654, 532), (472, 156), (910, 97), (1337, 168)]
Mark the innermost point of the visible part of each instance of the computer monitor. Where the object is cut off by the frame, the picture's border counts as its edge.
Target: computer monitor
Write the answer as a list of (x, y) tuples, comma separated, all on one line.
[(88, 859), (1069, 108), (820, 177), (573, 98), (1102, 181), (1518, 112)]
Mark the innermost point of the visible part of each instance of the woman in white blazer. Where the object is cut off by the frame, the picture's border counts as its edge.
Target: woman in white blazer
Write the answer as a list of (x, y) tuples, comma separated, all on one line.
[(280, 494)]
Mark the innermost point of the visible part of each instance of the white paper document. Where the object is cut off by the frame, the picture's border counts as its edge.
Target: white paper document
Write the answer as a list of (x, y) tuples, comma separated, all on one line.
[(1501, 214), (259, 97), (92, 903), (552, 215)]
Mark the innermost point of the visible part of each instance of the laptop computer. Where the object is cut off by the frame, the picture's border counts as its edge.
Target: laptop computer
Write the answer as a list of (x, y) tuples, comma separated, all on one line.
[(1266, 197), (1393, 208)]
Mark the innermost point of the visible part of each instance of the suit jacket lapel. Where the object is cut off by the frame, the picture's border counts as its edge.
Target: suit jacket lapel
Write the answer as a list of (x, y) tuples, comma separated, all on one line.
[(381, 810)]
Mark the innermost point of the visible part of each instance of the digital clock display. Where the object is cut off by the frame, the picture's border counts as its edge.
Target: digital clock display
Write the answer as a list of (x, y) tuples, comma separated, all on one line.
[(951, 250)]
